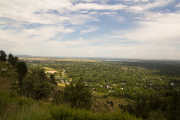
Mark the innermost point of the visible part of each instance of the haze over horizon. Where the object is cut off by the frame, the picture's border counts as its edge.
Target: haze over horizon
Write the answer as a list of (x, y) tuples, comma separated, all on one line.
[(86, 57), (143, 29)]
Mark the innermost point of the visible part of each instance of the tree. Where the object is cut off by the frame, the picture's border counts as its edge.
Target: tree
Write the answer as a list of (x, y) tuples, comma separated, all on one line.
[(12, 60), (37, 85), (78, 95), (21, 70), (2, 55)]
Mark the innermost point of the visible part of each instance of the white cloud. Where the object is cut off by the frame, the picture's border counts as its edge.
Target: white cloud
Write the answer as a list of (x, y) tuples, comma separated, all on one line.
[(81, 19), (89, 29), (24, 11), (94, 6), (136, 0), (157, 34), (21, 10), (47, 32), (178, 5), (29, 40), (158, 38), (146, 6), (158, 3), (163, 27)]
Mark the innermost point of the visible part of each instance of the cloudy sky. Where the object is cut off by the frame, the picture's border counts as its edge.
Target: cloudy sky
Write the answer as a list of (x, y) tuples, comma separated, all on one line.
[(147, 29)]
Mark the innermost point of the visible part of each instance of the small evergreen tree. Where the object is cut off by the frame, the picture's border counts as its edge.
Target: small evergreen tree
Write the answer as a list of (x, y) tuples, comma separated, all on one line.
[(2, 55), (21, 70), (12, 60)]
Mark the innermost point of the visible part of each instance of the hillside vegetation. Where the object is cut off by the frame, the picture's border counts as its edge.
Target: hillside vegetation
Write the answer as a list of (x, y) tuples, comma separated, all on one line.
[(68, 90), (27, 93)]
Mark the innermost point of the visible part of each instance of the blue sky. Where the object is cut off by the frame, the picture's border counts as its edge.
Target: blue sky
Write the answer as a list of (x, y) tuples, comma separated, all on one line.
[(145, 29)]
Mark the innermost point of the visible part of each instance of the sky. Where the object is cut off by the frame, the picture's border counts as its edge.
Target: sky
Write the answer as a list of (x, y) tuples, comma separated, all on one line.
[(143, 29)]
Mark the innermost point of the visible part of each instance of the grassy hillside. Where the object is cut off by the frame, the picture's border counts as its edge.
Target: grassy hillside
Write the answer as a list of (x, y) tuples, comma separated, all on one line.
[(20, 108)]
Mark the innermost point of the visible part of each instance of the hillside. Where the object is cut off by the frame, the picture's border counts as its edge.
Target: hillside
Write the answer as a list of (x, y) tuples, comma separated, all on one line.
[(15, 107)]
